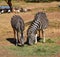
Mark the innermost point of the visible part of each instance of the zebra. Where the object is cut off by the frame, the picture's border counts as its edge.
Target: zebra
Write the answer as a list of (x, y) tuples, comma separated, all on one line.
[(40, 22), (18, 26)]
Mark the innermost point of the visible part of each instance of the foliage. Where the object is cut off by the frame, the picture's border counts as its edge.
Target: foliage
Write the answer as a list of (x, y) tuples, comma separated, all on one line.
[(40, 0), (33, 0)]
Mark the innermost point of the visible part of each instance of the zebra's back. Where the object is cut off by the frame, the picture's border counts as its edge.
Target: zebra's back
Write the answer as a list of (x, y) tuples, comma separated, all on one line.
[(42, 19), (17, 22), (40, 22)]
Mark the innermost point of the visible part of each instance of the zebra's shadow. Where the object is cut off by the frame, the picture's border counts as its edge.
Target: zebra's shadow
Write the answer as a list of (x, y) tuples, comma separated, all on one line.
[(11, 40)]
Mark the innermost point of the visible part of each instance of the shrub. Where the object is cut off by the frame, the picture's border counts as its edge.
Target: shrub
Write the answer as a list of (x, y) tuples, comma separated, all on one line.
[(40, 0)]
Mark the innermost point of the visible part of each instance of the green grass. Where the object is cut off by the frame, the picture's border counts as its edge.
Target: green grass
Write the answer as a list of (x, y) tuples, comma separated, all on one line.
[(49, 41), (40, 49), (35, 50)]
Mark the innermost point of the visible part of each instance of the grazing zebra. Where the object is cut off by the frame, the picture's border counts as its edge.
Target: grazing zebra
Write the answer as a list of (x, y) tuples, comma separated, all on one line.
[(40, 22), (17, 24)]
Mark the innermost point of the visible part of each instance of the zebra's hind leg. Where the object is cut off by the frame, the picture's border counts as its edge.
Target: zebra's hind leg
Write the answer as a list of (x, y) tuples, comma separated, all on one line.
[(43, 35)]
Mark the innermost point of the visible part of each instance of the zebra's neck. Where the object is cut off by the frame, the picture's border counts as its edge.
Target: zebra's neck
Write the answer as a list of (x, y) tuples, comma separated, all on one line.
[(33, 28)]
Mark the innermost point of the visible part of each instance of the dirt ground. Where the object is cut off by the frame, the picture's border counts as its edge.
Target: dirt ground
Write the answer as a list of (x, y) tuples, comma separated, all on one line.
[(6, 30)]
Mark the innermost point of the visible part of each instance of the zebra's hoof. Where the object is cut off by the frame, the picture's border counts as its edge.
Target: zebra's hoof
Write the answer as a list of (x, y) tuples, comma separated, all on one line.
[(30, 44), (16, 45), (35, 42), (21, 45)]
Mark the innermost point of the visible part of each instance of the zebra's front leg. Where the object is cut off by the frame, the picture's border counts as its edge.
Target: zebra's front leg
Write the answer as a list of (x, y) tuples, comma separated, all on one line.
[(43, 35), (22, 38), (14, 33), (36, 38), (16, 38)]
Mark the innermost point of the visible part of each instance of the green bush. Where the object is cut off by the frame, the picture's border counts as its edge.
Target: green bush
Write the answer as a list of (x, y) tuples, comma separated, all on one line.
[(41, 0), (32, 0)]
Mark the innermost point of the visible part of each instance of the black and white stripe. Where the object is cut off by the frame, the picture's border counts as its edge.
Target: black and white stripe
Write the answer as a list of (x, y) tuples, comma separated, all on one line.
[(40, 22)]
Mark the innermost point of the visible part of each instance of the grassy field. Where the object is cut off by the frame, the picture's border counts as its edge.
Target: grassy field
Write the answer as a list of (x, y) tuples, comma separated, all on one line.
[(40, 49), (49, 49)]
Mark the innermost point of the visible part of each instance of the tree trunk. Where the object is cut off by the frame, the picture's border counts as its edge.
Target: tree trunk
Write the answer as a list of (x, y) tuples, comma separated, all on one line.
[(9, 3)]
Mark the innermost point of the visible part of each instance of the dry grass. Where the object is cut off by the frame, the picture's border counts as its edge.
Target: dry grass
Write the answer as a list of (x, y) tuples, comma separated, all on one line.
[(52, 32)]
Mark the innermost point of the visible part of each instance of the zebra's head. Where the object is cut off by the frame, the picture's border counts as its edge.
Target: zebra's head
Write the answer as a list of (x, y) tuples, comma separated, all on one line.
[(32, 38)]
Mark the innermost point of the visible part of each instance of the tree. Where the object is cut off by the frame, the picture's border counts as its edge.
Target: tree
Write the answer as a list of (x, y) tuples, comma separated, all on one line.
[(9, 3)]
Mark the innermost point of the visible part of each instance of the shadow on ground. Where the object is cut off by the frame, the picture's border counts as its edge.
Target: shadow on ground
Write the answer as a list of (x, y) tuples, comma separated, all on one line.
[(11, 40)]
